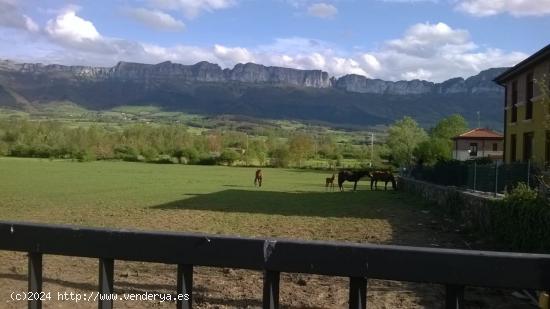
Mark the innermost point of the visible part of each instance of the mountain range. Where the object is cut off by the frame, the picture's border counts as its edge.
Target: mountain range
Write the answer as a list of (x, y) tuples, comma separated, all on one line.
[(252, 90)]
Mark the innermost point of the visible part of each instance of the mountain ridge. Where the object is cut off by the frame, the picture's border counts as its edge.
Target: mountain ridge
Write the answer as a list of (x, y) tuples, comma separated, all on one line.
[(256, 73), (253, 90)]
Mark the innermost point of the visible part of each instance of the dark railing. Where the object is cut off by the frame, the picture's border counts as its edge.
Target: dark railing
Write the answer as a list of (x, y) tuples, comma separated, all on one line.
[(453, 268)]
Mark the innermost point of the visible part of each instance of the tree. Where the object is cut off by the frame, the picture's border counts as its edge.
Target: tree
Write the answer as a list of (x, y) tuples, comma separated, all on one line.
[(301, 147), (257, 149), (450, 127), (404, 136), (229, 156), (440, 145), (280, 157), (432, 150)]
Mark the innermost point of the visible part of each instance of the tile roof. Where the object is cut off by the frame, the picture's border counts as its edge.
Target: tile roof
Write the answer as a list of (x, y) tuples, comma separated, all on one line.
[(480, 133)]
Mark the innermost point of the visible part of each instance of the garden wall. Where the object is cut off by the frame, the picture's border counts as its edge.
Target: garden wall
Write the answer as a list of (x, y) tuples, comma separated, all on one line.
[(514, 224)]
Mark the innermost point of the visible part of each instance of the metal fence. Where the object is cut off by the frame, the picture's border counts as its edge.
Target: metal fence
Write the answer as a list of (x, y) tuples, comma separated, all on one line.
[(495, 177), (452, 268)]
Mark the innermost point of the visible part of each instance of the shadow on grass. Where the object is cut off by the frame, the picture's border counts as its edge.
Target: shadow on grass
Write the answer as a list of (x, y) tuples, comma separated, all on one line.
[(359, 204)]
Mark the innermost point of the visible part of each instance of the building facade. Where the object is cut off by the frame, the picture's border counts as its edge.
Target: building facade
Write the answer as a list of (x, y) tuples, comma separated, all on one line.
[(527, 110), (478, 143)]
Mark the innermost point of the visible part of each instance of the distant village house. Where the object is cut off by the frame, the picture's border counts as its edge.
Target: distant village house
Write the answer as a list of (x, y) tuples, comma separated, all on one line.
[(478, 143)]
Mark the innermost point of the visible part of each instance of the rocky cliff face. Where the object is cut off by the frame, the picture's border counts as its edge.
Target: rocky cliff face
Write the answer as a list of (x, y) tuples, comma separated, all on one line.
[(252, 90), (256, 74), (475, 84), (199, 72)]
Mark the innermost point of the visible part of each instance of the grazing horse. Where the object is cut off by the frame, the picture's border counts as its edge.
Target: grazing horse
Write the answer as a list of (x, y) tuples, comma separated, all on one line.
[(258, 178), (329, 181), (350, 176), (382, 176)]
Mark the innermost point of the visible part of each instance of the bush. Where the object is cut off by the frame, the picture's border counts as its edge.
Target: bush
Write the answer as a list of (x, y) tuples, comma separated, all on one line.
[(228, 156), (280, 157), (126, 153), (85, 156), (520, 220), (186, 155), (521, 194), (163, 159), (481, 161), (207, 160)]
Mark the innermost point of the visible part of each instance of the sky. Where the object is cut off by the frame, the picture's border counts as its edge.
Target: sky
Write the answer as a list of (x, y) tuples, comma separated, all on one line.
[(388, 39)]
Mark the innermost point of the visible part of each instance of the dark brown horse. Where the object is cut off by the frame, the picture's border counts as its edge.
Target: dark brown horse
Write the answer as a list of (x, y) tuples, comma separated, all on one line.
[(329, 182), (384, 176), (258, 178), (352, 177)]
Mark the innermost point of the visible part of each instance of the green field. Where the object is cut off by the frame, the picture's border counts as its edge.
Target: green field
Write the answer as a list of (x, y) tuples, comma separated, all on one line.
[(213, 199)]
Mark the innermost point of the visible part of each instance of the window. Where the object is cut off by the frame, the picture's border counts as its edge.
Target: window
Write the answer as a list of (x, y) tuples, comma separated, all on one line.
[(514, 101), (527, 146), (529, 96), (473, 149), (513, 148), (495, 147)]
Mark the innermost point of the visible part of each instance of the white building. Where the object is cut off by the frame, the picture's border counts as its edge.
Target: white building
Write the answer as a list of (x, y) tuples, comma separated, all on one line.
[(478, 143)]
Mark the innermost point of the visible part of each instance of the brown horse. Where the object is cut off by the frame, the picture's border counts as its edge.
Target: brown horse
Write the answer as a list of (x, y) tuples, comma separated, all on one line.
[(382, 176), (258, 178), (329, 182), (352, 177)]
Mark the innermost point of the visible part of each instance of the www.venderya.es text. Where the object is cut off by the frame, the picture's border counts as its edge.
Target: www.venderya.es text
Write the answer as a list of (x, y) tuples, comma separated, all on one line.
[(96, 296)]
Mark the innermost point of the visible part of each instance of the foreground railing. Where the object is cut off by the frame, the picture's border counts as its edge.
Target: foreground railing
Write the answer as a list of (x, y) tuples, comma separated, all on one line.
[(452, 268)]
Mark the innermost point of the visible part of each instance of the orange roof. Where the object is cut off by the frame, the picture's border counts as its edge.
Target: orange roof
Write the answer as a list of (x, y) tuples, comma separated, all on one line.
[(480, 133)]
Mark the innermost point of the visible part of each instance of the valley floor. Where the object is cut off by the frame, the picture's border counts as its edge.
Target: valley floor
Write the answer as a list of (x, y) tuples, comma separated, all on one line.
[(219, 200)]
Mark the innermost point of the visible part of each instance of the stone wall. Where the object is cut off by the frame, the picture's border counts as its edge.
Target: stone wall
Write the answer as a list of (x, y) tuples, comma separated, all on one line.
[(472, 209), (515, 224)]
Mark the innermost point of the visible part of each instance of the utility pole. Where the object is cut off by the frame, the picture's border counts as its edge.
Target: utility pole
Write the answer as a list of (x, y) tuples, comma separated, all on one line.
[(371, 148)]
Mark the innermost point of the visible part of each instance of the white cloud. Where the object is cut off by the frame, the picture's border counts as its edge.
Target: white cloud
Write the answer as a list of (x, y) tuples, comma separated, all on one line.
[(427, 39), (322, 10), (438, 52), (232, 54), (425, 51), (69, 27), (418, 74), (10, 16), (512, 7), (192, 8), (371, 62), (155, 19), (409, 1)]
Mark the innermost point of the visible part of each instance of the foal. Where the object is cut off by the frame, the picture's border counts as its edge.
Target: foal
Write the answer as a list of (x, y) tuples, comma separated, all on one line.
[(258, 178), (329, 181)]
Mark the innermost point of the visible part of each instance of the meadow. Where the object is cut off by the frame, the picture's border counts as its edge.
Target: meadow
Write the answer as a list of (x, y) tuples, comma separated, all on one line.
[(213, 199), (222, 200)]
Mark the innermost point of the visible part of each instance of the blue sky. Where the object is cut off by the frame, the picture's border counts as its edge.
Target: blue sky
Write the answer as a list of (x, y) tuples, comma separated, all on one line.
[(389, 39)]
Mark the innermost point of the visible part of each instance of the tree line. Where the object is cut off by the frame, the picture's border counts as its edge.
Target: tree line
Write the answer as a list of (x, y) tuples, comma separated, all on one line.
[(163, 143), (409, 144)]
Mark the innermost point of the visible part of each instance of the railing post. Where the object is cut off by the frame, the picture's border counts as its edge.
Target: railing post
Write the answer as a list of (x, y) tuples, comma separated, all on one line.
[(106, 272), (454, 296), (35, 280), (271, 289), (185, 286), (357, 293)]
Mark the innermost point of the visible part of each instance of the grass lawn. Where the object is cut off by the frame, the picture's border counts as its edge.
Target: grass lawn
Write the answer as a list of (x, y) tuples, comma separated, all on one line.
[(212, 199)]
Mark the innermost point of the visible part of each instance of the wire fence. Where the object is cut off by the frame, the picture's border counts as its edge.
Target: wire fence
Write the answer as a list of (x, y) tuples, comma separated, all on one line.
[(492, 177)]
